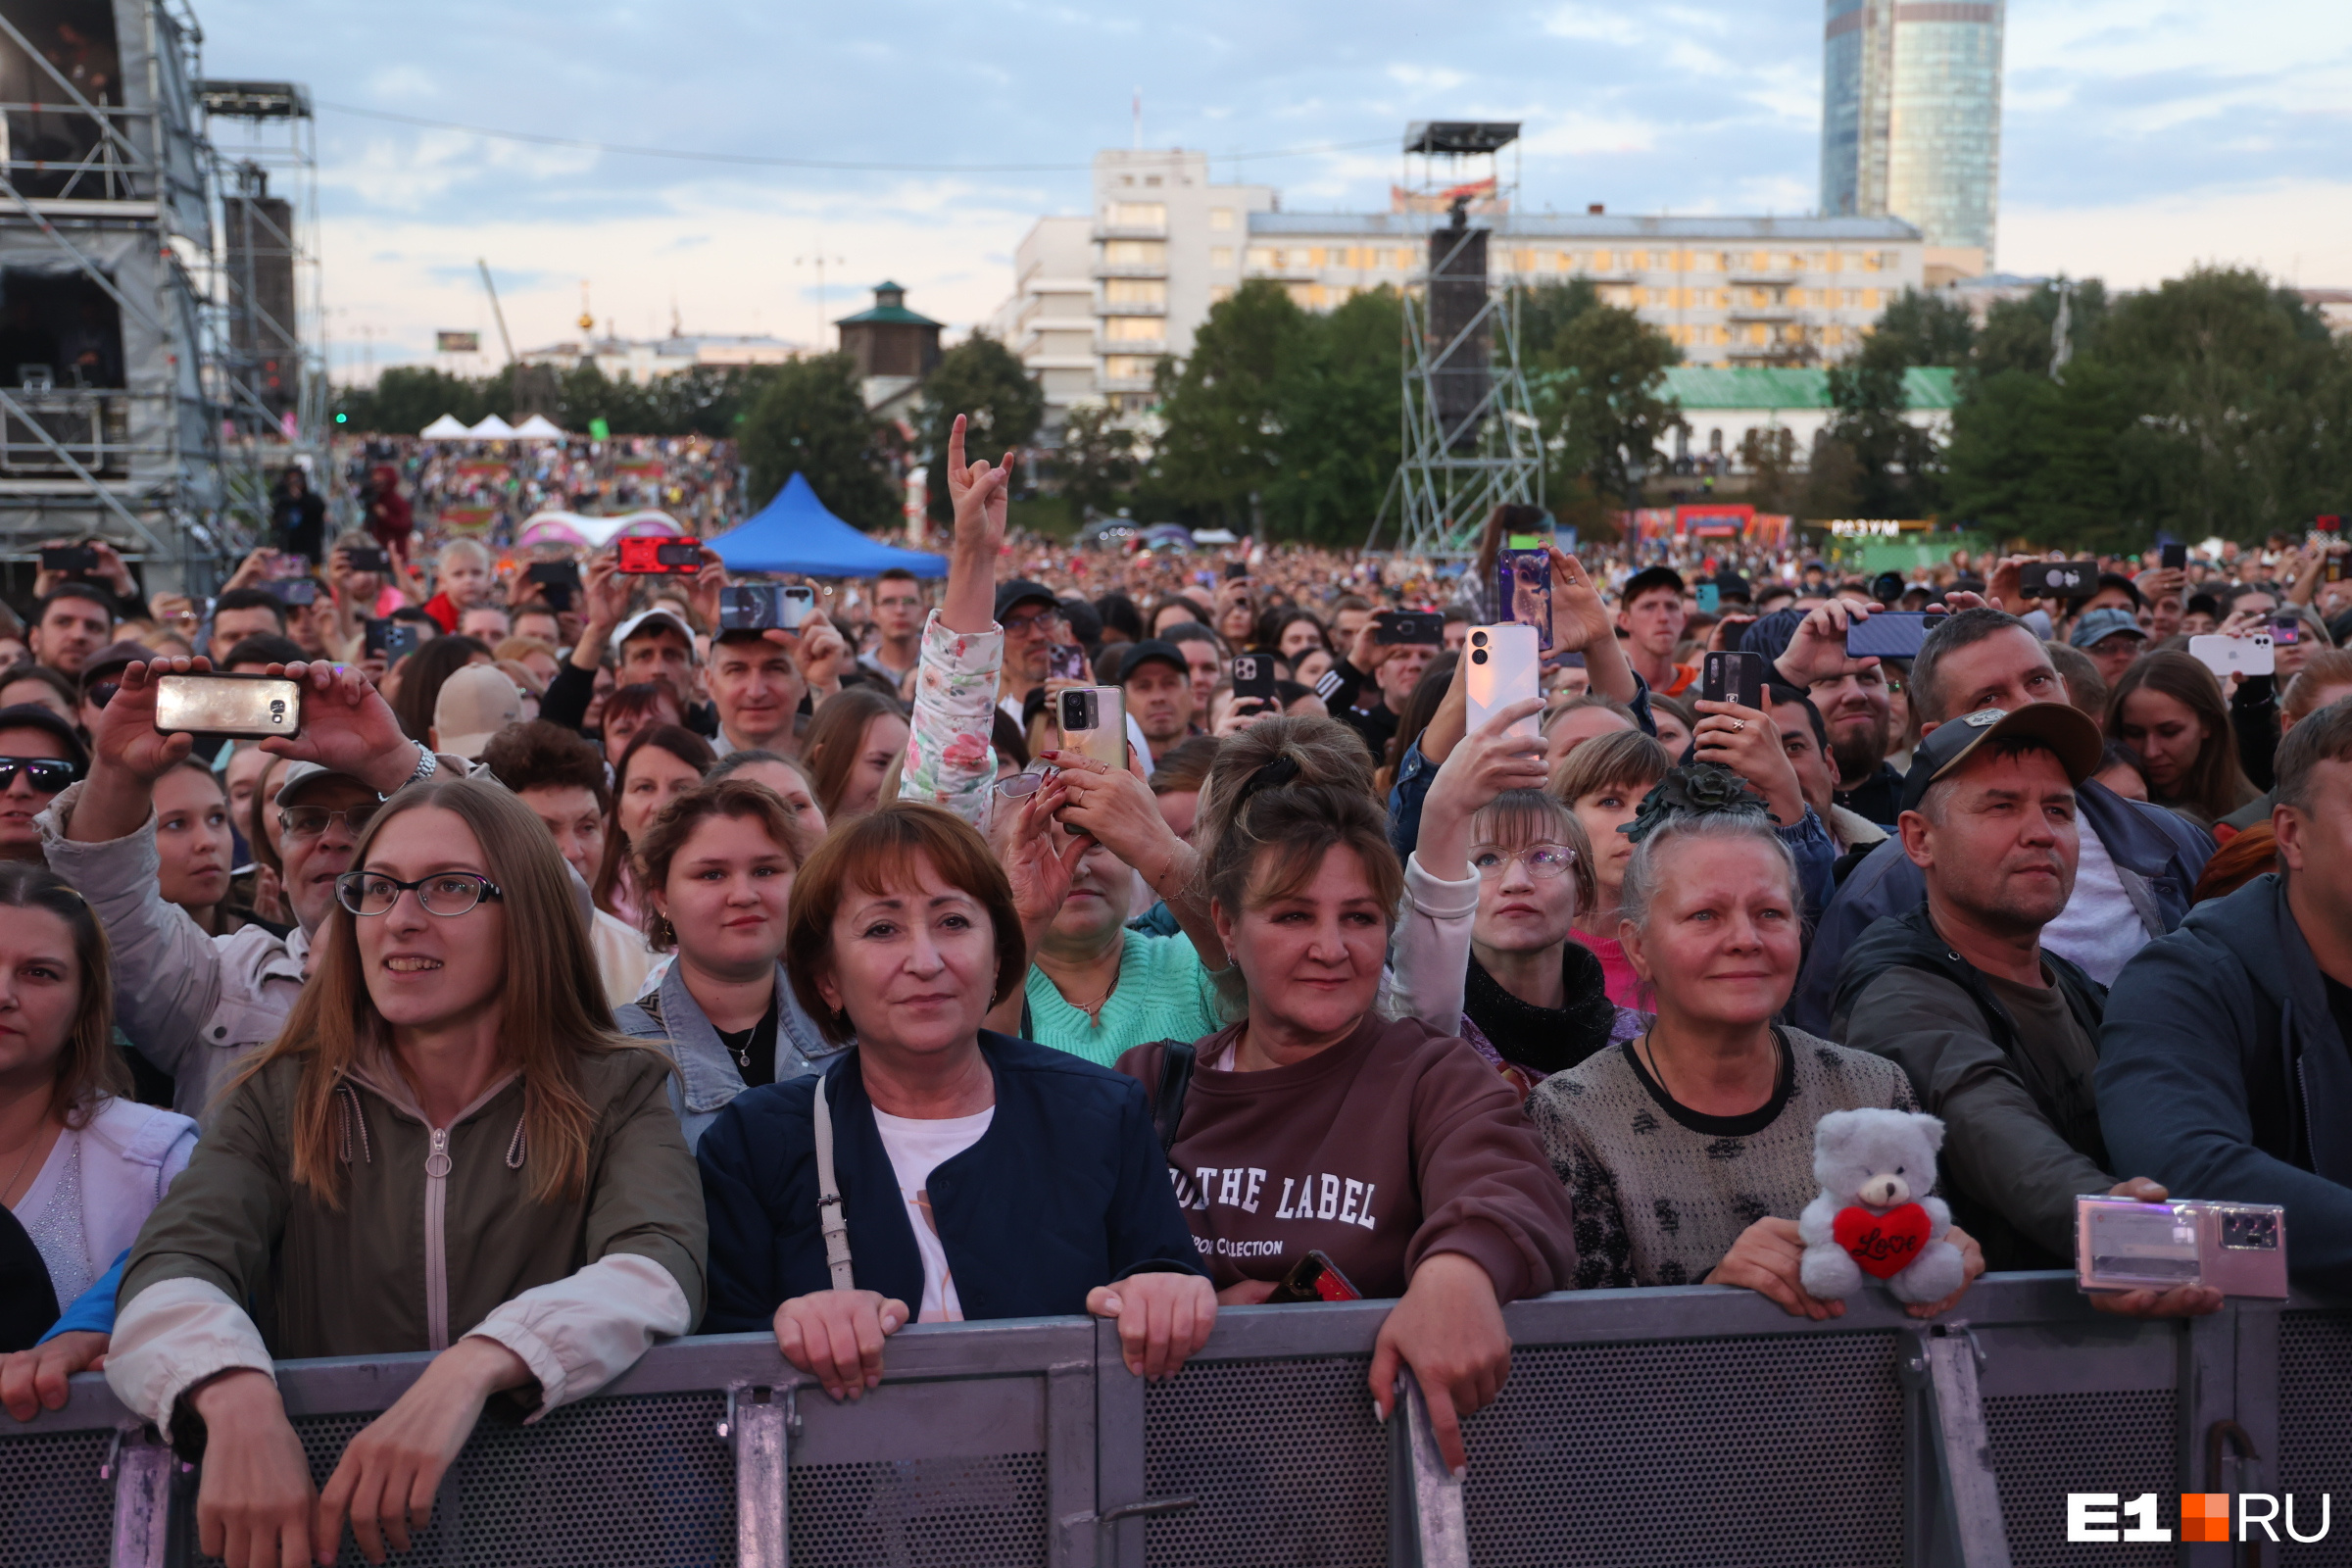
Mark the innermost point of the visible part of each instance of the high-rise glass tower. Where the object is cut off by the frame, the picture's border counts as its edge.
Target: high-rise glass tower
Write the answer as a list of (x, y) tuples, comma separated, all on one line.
[(1911, 115)]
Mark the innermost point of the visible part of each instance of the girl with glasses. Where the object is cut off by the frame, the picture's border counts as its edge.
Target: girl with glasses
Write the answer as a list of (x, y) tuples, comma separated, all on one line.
[(452, 1057)]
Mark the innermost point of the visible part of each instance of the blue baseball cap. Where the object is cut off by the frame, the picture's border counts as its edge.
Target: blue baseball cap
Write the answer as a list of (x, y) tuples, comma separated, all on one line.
[(2103, 623)]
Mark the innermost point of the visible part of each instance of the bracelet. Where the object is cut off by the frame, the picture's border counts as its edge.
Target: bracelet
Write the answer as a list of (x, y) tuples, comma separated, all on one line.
[(426, 766)]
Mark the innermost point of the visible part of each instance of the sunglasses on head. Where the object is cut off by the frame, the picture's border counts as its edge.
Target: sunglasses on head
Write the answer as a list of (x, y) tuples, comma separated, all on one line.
[(46, 774)]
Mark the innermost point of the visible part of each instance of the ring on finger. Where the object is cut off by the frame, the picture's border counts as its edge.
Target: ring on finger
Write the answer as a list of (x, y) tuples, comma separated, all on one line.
[(1739, 724)]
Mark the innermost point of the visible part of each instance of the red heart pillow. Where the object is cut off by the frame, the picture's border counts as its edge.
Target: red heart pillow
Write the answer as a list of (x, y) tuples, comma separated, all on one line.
[(1883, 1245)]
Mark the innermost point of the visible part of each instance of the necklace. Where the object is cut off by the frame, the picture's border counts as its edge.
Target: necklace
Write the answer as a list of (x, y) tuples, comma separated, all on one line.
[(1659, 1077), (1094, 1009), (27, 1160)]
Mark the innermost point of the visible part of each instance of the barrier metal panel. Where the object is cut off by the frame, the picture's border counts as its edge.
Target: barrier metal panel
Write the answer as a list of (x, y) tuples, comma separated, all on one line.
[(2315, 1434)]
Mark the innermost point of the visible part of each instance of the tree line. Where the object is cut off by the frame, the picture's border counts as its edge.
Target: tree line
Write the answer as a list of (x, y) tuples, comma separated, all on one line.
[(2214, 404)]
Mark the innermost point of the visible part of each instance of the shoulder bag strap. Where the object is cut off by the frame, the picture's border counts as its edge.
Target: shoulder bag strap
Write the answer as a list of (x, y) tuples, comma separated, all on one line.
[(828, 1197), (1176, 1062)]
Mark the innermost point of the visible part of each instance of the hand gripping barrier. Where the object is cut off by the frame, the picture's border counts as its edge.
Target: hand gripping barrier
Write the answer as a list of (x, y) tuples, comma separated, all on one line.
[(1668, 1426)]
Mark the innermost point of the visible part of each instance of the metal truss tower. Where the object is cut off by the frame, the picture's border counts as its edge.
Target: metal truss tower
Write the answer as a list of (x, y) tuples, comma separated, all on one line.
[(1470, 438), (158, 311)]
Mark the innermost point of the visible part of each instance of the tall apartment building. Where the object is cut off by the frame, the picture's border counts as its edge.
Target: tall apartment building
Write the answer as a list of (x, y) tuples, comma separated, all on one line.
[(1137, 277), (1911, 120), (1726, 290)]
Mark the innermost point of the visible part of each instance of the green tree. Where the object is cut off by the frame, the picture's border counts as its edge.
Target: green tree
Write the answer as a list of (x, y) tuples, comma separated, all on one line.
[(1221, 408), (1924, 328), (1601, 405), (1897, 467), (2041, 460), (983, 380), (2017, 333), (1095, 466), (810, 418), (406, 398), (1547, 309), (1338, 409)]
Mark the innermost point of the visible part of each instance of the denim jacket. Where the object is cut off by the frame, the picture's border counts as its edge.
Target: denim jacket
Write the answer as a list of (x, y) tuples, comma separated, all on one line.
[(708, 1079)]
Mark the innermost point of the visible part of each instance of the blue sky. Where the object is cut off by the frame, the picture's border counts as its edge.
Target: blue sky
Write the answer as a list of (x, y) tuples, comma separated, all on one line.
[(2138, 138)]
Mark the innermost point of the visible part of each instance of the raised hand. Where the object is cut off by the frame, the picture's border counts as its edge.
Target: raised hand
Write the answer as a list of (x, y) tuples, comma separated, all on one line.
[(1579, 619), (1818, 650), (1748, 741), (124, 738), (345, 726), (979, 495)]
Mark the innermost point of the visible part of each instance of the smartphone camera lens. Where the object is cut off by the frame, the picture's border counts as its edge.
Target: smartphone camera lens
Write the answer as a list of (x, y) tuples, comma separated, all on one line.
[(1478, 656), (1479, 638)]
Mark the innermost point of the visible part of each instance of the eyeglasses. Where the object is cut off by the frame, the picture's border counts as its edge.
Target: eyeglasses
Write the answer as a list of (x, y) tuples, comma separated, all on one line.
[(1032, 625), (46, 774), (309, 821), (444, 893), (1020, 786), (1541, 860)]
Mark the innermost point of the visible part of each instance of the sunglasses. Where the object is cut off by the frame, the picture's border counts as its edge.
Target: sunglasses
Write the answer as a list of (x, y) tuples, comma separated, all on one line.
[(1020, 786), (46, 774)]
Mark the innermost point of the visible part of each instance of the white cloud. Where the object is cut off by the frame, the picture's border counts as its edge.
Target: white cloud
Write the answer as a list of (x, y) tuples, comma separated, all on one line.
[(1597, 22), (2299, 232)]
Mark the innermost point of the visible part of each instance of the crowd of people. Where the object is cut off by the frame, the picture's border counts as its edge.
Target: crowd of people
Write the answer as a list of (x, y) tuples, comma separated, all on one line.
[(814, 982)]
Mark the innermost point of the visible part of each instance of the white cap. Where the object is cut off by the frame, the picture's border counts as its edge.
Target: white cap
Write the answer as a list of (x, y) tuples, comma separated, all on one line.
[(475, 702)]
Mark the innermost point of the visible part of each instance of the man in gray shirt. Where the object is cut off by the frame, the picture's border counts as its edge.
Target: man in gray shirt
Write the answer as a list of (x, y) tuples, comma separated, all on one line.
[(1997, 1035)]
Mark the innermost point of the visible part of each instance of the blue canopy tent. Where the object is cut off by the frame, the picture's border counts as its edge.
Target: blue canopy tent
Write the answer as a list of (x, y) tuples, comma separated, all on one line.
[(796, 533)]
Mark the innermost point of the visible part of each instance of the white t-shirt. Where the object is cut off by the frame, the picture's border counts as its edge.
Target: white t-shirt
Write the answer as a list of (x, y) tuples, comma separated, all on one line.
[(917, 1149), (2100, 927)]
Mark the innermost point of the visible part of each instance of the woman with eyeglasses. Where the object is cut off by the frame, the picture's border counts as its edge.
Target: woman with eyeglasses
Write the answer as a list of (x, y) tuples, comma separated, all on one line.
[(194, 1005), (452, 1057), (718, 866), (1492, 887)]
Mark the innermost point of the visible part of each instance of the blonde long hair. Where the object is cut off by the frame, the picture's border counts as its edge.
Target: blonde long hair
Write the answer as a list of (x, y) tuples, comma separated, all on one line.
[(555, 1003)]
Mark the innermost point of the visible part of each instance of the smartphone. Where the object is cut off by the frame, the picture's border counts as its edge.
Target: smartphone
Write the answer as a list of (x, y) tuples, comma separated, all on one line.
[(362, 560), (1505, 668), (1409, 628), (1889, 634), (389, 640), (2238, 1248), (2059, 579), (68, 558), (653, 557), (2172, 557), (1523, 591), (1237, 572), (2235, 655), (1729, 677), (294, 590), (2285, 631), (1315, 1278), (239, 706), (552, 573), (1094, 723), (761, 605), (1067, 661), (1710, 599), (1253, 677)]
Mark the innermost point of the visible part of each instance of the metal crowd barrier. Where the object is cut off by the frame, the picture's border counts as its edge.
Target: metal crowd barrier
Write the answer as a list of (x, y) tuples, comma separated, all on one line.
[(1689, 1426)]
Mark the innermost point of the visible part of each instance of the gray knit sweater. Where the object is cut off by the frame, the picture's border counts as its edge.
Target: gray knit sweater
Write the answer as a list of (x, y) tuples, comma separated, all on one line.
[(1662, 1191)]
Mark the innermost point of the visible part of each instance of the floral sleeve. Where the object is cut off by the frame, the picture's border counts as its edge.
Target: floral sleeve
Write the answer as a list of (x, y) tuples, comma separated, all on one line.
[(949, 759)]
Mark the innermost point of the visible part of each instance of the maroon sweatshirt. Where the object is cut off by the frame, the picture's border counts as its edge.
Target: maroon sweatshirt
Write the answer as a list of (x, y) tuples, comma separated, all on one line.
[(1396, 1143)]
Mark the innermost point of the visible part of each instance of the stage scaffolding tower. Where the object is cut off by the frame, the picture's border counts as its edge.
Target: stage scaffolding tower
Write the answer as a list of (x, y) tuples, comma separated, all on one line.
[(158, 302), (1470, 438)]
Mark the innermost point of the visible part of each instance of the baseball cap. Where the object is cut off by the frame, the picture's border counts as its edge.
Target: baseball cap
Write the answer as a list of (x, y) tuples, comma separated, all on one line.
[(650, 621), (1152, 650), (2061, 726), (113, 660), (475, 704), (1731, 585), (1022, 591), (298, 777), (2103, 623)]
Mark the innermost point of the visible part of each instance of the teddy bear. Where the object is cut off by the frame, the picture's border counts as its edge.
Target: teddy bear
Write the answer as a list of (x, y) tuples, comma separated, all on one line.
[(1874, 1215)]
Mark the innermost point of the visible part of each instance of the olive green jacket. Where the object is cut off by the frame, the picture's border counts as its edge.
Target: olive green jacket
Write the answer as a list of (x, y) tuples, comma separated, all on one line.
[(436, 1238)]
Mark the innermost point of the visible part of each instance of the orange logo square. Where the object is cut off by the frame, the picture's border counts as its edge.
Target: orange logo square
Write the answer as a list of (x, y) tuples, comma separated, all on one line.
[(2204, 1516)]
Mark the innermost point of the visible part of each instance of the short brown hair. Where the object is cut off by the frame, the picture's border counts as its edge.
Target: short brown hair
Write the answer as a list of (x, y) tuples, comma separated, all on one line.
[(1624, 759), (2324, 667), (538, 754), (735, 798), (2323, 737), (89, 1069), (873, 851), (1516, 818)]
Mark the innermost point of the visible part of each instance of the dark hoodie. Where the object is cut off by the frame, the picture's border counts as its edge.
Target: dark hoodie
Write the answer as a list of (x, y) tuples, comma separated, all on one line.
[(2222, 1075)]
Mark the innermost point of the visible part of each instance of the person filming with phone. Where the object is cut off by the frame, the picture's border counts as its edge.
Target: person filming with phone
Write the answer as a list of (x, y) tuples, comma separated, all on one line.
[(193, 1003), (1383, 1153)]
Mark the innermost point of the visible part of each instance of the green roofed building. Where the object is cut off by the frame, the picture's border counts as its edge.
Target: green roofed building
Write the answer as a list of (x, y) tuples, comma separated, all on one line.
[(1721, 406), (893, 348)]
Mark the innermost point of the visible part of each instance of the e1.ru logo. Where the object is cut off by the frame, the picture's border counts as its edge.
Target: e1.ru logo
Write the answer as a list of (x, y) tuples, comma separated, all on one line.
[(2091, 1517)]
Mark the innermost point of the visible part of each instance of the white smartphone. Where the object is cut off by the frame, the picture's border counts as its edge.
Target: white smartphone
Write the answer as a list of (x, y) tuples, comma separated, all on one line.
[(1505, 668), (2235, 656)]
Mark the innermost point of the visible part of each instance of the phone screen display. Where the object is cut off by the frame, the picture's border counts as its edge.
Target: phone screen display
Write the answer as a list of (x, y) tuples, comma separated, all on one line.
[(1523, 591), (1727, 677)]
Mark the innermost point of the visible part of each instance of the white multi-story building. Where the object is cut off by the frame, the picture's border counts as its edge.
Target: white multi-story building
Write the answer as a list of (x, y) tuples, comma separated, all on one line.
[(1098, 301), (1160, 245), (645, 359)]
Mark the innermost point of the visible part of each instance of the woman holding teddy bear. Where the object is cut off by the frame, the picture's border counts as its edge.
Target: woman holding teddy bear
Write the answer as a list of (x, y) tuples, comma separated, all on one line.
[(1689, 1152)]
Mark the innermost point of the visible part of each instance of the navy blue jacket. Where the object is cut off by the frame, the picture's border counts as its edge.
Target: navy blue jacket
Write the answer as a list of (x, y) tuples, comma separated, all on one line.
[(1066, 1189), (2159, 849), (2222, 1075)]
